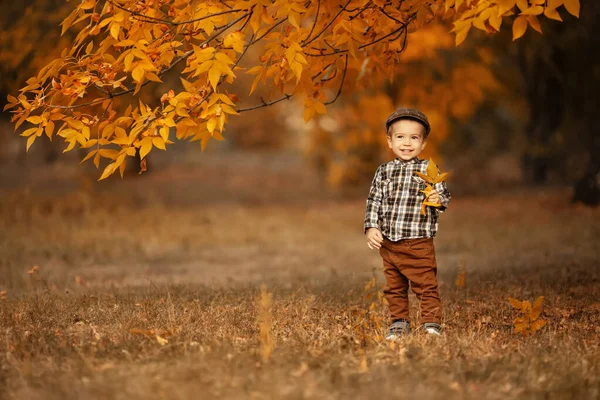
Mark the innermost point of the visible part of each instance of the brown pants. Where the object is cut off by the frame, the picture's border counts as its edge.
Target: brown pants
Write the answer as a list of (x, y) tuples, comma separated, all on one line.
[(411, 260)]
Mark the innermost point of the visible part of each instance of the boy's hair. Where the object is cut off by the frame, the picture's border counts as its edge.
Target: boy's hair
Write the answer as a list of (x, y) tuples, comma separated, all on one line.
[(408, 113)]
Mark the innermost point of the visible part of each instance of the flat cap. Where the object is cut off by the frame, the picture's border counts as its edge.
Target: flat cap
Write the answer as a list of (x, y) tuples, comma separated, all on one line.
[(408, 113)]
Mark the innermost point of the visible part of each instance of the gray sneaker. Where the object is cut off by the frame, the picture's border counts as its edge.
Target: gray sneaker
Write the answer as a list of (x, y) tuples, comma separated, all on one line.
[(397, 329), (433, 329)]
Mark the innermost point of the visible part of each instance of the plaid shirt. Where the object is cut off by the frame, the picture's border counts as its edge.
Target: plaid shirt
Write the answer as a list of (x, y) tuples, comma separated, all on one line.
[(394, 202)]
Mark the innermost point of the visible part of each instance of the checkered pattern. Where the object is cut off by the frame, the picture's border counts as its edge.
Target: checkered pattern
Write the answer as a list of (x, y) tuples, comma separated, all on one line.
[(394, 202)]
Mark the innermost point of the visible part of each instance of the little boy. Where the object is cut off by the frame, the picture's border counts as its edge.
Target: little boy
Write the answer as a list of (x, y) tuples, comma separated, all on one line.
[(395, 226)]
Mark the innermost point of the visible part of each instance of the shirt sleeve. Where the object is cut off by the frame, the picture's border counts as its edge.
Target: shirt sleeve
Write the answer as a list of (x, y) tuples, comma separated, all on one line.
[(444, 193), (373, 202)]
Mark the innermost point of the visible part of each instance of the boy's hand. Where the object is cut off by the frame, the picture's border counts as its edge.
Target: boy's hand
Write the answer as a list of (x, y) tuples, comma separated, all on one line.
[(374, 238), (434, 197)]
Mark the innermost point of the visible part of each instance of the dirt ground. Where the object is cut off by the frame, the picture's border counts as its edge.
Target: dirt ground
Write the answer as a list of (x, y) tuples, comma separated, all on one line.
[(151, 288)]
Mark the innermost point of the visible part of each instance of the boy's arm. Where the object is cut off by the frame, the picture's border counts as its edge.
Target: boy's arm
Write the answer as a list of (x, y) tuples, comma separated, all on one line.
[(373, 203)]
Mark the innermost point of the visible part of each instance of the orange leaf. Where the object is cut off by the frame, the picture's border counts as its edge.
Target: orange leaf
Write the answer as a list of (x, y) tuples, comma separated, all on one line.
[(536, 309), (432, 169), (515, 303), (534, 22), (552, 14), (519, 27), (572, 7), (520, 325), (537, 325), (424, 177)]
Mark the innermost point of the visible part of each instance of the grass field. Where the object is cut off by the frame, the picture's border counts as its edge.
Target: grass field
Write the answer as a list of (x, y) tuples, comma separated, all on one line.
[(144, 299)]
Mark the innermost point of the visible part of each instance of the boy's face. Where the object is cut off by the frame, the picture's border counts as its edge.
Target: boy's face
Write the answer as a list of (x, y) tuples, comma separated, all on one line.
[(406, 138)]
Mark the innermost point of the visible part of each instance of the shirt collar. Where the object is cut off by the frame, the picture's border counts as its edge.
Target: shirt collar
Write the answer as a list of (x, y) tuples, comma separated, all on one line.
[(411, 161)]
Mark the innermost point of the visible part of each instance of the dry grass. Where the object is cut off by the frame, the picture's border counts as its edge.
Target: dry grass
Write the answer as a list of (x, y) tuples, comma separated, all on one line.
[(148, 301)]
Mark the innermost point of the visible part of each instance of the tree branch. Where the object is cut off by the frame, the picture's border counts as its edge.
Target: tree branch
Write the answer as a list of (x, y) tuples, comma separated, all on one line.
[(161, 73), (315, 22), (265, 104), (341, 83), (339, 51), (148, 18), (305, 43)]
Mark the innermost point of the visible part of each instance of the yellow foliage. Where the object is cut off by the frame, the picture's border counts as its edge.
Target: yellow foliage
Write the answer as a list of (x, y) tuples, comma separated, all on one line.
[(432, 177), (530, 321), (311, 50)]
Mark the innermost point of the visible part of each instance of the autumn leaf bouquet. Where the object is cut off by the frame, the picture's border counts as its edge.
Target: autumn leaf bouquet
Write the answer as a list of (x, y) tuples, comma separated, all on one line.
[(432, 177)]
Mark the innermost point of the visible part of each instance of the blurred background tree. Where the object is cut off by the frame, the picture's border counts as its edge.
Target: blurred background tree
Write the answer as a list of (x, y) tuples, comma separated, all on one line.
[(489, 97)]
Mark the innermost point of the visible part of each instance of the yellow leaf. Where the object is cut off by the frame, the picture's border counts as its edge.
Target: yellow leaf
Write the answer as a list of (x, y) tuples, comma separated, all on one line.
[(29, 131), (114, 30), (534, 22), (522, 5), (159, 143), (255, 82), (50, 129), (301, 59), (572, 7), (164, 133), (308, 113), (504, 6), (255, 70), (526, 307), (552, 14), (294, 19), (128, 60), (88, 156), (353, 48), (520, 325), (479, 24), (460, 25), (537, 325), (108, 171), (224, 98), (533, 10), (555, 3), (496, 22), (122, 168), (145, 147), (320, 107), (432, 169), (424, 177), (519, 27), (536, 309), (228, 109), (515, 303), (441, 177), (35, 119), (213, 76), (67, 22), (211, 124), (151, 76), (110, 154), (138, 74), (30, 142)]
